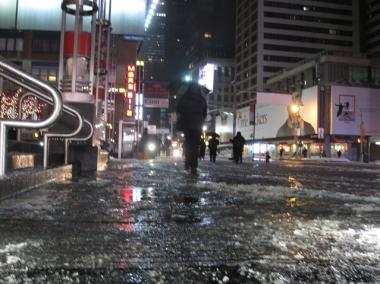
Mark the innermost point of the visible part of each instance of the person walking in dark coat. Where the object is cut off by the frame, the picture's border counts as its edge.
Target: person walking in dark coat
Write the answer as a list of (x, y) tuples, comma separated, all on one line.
[(213, 147), (237, 147), (191, 112), (267, 157), (202, 149)]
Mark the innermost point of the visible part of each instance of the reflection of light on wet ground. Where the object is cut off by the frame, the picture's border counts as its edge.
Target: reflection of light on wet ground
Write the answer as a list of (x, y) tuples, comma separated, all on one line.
[(299, 255), (294, 202), (294, 184), (150, 193), (136, 194), (127, 197), (284, 217), (207, 221), (203, 174), (203, 201)]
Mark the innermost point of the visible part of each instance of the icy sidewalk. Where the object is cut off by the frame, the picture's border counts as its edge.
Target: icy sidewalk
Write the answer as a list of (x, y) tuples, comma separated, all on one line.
[(151, 222)]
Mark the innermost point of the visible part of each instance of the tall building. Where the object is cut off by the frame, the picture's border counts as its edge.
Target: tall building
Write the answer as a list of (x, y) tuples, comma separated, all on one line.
[(274, 35), (153, 51), (201, 38), (373, 27), (197, 30)]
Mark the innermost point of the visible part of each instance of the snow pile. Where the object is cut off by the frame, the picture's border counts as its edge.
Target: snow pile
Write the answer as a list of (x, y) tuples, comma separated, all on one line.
[(13, 247), (317, 158), (9, 250)]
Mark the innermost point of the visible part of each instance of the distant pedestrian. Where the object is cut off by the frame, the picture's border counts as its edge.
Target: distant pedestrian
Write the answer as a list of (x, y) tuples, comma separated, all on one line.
[(213, 147), (237, 147), (167, 145), (281, 153), (202, 149), (191, 112), (304, 152), (339, 153), (267, 157)]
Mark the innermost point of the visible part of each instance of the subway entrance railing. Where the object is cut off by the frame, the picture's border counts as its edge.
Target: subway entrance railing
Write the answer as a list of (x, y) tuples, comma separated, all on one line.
[(30, 86)]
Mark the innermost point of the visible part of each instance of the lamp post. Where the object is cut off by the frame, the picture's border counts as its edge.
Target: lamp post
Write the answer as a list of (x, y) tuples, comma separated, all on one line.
[(295, 110)]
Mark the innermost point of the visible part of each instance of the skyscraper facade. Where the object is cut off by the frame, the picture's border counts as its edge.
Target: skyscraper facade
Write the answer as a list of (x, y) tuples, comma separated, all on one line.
[(272, 35), (373, 27), (153, 51)]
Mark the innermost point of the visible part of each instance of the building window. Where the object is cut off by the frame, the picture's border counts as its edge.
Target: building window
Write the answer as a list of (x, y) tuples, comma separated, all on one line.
[(45, 72), (358, 74), (10, 44), (376, 75), (3, 44)]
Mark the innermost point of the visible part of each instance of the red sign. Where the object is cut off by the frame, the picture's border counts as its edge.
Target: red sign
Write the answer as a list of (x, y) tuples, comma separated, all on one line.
[(155, 90)]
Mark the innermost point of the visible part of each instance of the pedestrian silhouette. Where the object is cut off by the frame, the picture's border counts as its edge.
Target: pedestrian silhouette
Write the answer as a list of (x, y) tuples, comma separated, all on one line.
[(281, 153), (202, 149), (213, 147), (267, 157), (339, 153), (304, 152), (237, 147), (191, 112)]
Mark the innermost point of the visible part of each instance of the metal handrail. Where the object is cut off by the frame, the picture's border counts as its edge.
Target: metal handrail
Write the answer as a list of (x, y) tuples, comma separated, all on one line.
[(67, 141), (46, 137), (4, 124)]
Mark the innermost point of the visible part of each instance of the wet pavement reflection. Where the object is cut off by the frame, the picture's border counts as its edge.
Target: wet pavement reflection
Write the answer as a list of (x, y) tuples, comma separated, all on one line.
[(151, 222)]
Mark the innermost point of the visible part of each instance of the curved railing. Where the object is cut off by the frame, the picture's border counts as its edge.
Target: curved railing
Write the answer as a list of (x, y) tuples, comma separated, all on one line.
[(30, 83), (47, 136), (67, 141)]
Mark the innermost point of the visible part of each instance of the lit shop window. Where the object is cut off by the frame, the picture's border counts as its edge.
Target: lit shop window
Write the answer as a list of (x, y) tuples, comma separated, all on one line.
[(45, 73)]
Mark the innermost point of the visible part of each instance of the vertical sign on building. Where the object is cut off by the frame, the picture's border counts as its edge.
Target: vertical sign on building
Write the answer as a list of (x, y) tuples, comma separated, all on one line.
[(139, 90), (130, 91)]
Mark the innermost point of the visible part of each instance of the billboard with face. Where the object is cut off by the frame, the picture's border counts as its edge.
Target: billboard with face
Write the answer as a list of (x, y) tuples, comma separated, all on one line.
[(206, 76), (355, 108), (275, 117)]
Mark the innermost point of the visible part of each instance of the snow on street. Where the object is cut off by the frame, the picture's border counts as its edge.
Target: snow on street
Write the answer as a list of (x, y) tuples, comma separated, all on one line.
[(151, 222)]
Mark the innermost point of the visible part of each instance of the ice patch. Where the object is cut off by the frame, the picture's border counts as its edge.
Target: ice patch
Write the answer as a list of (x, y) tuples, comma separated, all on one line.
[(13, 247), (11, 259), (11, 279)]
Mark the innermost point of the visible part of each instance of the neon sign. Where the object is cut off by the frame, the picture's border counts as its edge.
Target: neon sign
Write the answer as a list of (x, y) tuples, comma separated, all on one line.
[(131, 89)]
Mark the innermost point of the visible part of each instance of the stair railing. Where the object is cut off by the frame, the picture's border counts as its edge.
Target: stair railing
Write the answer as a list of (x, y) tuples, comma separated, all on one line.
[(21, 78)]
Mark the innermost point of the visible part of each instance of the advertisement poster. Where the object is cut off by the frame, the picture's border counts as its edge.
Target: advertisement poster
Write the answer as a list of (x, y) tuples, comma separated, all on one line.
[(244, 122), (275, 118), (353, 109), (223, 126), (206, 76)]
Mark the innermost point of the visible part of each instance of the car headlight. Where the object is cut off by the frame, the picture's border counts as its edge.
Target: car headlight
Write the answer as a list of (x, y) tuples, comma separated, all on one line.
[(151, 147)]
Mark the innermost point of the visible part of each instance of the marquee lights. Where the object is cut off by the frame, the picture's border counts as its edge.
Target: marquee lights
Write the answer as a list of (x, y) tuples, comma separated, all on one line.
[(9, 106), (131, 89)]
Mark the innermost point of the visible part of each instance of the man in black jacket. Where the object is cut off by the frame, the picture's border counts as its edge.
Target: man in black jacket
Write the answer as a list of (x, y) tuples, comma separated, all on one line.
[(191, 112)]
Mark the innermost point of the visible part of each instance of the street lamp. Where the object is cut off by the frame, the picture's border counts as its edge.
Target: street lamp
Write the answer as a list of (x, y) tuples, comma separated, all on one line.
[(295, 110), (204, 128)]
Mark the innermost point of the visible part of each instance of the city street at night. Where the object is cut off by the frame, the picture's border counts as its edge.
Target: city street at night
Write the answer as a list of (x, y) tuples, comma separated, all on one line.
[(149, 221)]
